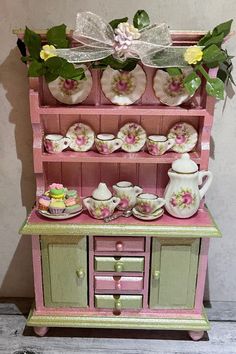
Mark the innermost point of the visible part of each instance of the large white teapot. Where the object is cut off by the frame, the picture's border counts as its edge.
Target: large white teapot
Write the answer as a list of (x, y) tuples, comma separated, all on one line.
[(182, 193)]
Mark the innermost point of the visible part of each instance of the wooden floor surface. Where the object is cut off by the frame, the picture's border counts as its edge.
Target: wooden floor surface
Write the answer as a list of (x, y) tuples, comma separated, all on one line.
[(15, 338)]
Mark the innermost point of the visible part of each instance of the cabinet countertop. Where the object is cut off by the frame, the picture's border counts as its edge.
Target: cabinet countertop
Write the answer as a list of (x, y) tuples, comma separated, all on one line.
[(200, 225)]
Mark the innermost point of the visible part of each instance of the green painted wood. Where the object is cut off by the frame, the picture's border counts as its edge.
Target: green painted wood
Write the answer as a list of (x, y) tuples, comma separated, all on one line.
[(119, 264), (64, 262), (173, 273), (143, 321), (119, 302)]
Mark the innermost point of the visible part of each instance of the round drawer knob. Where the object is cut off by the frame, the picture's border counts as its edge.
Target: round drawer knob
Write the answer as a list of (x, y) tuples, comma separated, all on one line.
[(118, 285), (118, 267), (119, 246), (118, 305), (156, 274), (80, 273)]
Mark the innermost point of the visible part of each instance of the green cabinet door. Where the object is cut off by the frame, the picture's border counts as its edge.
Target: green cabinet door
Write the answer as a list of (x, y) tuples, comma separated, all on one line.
[(64, 263), (173, 273)]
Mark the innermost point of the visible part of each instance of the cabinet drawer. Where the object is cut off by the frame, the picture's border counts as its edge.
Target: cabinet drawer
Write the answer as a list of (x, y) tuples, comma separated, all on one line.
[(119, 302), (119, 264), (118, 283), (119, 244)]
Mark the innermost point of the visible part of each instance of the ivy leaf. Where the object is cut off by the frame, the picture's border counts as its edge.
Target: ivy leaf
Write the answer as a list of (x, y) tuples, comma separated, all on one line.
[(217, 40), (174, 71), (32, 41), (141, 19), (224, 28), (50, 76), (114, 23), (192, 82), (36, 69), (68, 71), (57, 36), (215, 87), (213, 55), (204, 39)]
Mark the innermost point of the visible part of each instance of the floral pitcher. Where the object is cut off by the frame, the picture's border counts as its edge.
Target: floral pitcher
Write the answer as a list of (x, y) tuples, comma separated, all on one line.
[(182, 193)]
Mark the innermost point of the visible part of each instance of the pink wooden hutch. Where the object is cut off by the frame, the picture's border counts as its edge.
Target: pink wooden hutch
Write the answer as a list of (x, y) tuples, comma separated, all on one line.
[(128, 273)]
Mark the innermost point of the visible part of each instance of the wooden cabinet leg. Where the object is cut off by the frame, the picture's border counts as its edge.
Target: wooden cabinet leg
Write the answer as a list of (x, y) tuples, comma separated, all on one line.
[(41, 331), (196, 335)]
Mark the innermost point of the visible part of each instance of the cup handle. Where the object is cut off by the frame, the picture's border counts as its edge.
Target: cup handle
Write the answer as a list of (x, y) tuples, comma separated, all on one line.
[(207, 183), (137, 190), (116, 201), (162, 202), (170, 143)]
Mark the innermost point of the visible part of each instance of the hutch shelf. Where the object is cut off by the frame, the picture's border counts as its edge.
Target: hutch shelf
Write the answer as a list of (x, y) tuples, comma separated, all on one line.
[(128, 273)]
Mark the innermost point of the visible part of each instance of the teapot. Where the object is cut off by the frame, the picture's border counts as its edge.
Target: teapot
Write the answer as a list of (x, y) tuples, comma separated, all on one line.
[(101, 204), (182, 194), (127, 194)]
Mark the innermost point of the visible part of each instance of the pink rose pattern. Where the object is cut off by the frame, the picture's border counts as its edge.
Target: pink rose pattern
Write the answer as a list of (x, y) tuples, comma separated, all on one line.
[(101, 211), (181, 135), (183, 199), (123, 83)]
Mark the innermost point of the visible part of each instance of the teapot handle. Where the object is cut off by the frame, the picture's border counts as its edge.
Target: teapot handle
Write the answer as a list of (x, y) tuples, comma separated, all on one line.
[(137, 190), (207, 183), (86, 202)]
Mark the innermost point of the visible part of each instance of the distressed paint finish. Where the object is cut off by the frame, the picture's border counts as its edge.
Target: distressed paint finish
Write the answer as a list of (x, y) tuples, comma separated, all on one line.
[(119, 283), (63, 259), (173, 273)]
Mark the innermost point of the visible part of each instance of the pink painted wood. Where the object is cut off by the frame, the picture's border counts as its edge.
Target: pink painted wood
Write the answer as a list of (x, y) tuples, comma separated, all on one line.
[(37, 269), (120, 244), (202, 269), (201, 218), (119, 283)]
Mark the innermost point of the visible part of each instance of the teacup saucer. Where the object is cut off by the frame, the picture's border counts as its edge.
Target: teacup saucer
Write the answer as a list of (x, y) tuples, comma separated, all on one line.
[(148, 217)]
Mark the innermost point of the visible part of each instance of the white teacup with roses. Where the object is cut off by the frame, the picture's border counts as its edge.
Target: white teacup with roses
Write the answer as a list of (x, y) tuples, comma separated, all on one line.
[(148, 203)]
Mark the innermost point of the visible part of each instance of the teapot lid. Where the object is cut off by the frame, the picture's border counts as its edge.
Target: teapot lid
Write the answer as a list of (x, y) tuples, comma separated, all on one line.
[(184, 164), (101, 192)]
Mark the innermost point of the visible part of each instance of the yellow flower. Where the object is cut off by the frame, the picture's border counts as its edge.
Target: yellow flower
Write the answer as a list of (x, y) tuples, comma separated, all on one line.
[(47, 52), (193, 55)]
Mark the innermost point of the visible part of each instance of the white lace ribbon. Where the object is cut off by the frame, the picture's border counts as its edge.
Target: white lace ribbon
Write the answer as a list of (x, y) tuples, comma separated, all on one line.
[(97, 38)]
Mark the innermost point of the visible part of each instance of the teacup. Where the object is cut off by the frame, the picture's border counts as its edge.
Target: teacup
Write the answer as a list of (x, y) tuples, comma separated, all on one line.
[(55, 143), (148, 203), (107, 143), (158, 144)]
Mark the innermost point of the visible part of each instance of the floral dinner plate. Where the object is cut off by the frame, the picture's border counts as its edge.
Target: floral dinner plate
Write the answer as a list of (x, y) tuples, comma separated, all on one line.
[(123, 87), (185, 136), (62, 216), (82, 137), (71, 91), (133, 137), (170, 90)]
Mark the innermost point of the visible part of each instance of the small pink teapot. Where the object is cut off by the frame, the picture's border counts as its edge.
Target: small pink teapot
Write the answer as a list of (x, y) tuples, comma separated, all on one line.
[(182, 193)]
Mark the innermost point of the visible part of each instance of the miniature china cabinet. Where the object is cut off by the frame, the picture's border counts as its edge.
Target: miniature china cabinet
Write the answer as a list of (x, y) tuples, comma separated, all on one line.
[(128, 273)]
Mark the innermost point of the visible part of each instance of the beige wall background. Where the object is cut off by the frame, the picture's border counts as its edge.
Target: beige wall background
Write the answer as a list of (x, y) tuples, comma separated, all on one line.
[(17, 185)]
